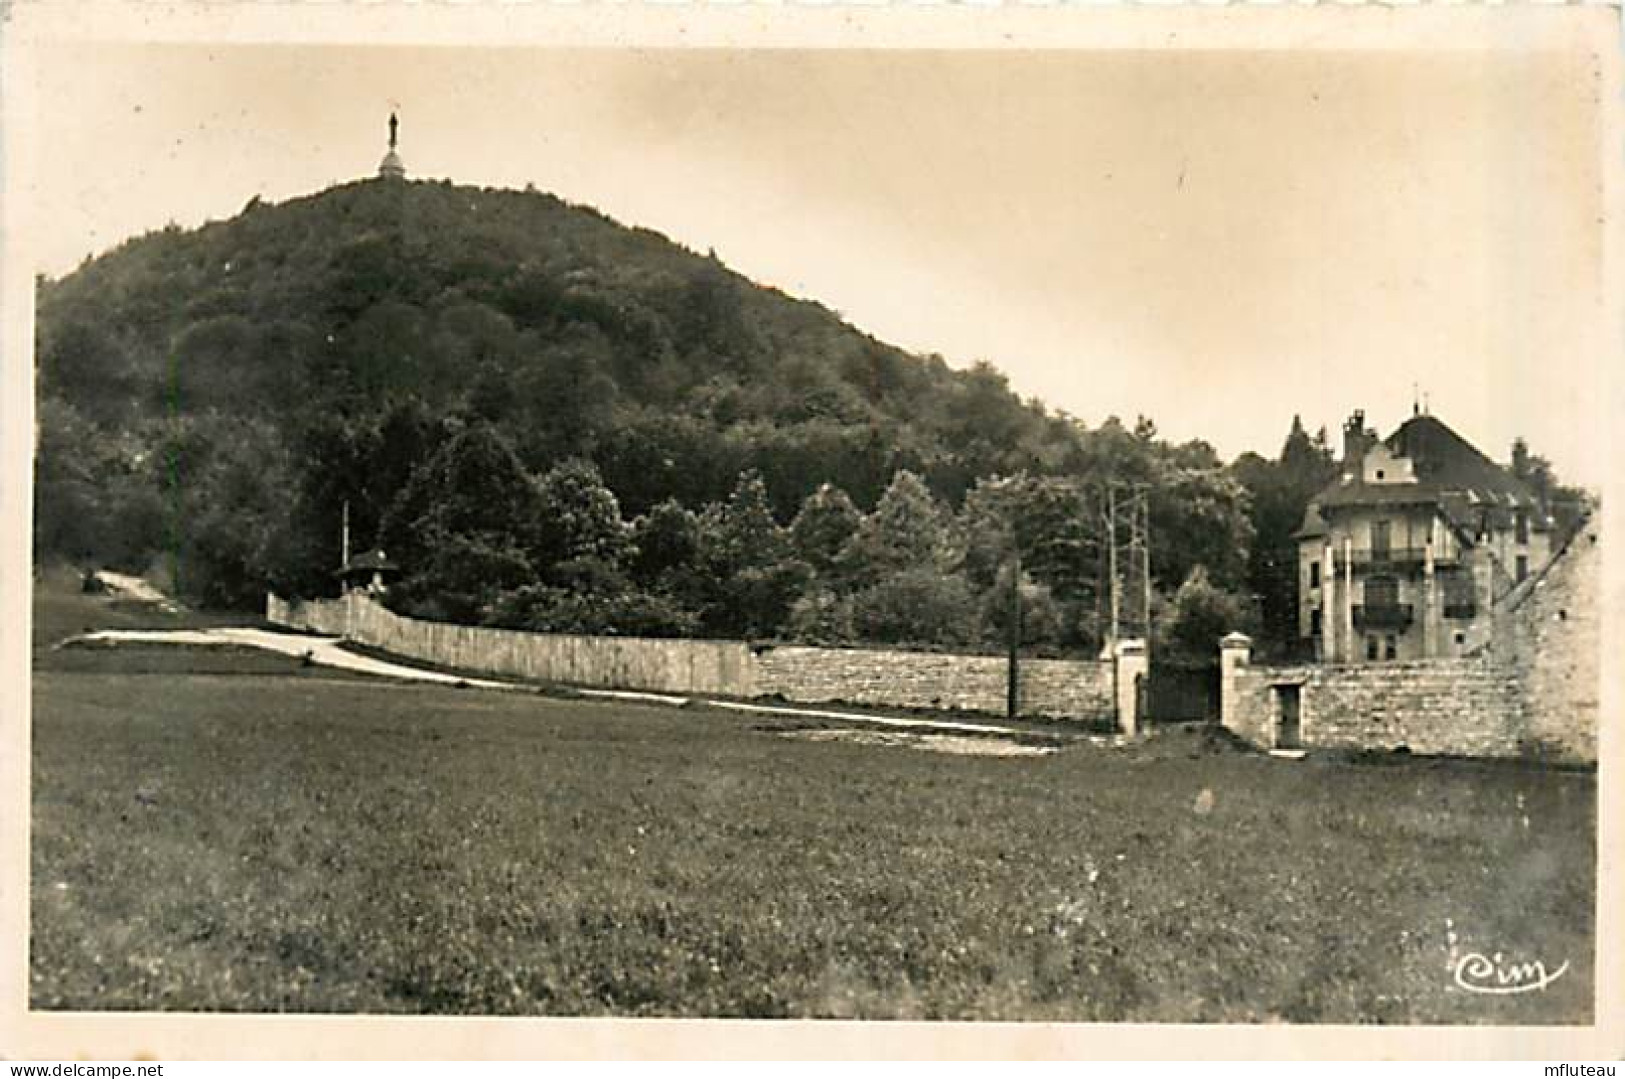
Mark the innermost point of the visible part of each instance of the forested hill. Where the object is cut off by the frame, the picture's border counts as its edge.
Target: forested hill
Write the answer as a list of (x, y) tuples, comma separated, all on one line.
[(573, 334), (442, 357)]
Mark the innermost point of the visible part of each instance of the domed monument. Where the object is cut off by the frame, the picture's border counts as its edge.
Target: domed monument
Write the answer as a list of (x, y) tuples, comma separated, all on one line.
[(391, 167)]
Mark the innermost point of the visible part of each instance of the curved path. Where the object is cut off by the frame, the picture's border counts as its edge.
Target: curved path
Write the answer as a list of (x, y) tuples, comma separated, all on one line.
[(326, 651), (322, 650)]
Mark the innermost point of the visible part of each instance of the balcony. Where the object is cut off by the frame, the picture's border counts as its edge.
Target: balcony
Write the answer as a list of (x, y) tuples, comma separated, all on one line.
[(1385, 616), (1388, 559)]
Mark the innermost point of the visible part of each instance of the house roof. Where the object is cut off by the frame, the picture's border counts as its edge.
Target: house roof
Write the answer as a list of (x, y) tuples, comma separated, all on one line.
[(1313, 523), (1471, 489), (367, 562)]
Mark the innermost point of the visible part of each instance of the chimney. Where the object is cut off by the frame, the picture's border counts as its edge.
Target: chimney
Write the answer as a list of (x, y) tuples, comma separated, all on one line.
[(1355, 440)]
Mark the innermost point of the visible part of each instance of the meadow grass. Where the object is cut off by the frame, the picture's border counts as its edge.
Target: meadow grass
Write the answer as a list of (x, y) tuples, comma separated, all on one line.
[(302, 842)]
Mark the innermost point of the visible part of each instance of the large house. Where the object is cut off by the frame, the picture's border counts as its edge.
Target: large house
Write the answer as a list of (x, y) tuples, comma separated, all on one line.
[(1414, 549)]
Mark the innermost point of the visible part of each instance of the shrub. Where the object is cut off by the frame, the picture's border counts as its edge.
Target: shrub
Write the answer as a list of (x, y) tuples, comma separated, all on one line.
[(1200, 614), (821, 617), (632, 613), (917, 606), (1043, 619)]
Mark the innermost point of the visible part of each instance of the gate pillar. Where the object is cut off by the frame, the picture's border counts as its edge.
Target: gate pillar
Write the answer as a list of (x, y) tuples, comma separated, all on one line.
[(1132, 667), (1235, 649)]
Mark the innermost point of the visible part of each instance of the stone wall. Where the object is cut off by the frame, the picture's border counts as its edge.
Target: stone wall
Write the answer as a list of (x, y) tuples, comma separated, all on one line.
[(1532, 692), (1460, 707), (1554, 640), (1069, 689), (1062, 689)]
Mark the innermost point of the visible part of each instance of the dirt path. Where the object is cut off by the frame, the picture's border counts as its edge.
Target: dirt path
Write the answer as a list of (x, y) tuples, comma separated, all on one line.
[(320, 650), (327, 652), (136, 588)]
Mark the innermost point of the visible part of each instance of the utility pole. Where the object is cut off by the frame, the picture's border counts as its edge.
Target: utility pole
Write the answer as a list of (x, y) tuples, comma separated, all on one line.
[(1138, 572), (344, 541), (1100, 579), (1111, 533), (1013, 674), (1145, 567)]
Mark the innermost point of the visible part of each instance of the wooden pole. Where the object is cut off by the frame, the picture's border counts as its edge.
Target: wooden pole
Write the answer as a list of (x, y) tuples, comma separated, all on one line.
[(344, 542), (1111, 532), (1012, 684), (1145, 566)]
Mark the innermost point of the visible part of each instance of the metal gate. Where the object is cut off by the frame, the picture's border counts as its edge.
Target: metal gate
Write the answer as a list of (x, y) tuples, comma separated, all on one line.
[(1180, 692)]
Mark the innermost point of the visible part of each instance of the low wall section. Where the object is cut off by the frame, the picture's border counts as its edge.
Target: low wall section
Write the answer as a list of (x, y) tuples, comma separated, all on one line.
[(1459, 707), (1060, 689)]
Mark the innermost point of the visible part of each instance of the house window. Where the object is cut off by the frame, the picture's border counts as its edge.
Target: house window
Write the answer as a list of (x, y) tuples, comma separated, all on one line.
[(1521, 522), (1314, 575), (1459, 599), (1371, 648), (1314, 622), (1379, 540), (1390, 647), (1382, 592), (1523, 567)]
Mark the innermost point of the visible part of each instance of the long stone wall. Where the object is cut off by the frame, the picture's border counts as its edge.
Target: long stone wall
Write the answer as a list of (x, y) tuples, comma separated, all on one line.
[(1061, 689), (1053, 688)]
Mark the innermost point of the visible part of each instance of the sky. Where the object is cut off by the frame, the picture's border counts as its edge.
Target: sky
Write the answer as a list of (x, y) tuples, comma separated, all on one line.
[(1215, 239)]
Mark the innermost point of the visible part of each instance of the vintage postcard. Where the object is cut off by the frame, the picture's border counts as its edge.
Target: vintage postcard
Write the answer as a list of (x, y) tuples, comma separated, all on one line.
[(763, 530)]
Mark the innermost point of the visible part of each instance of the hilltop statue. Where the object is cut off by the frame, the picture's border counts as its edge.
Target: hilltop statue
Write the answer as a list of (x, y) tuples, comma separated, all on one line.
[(392, 168)]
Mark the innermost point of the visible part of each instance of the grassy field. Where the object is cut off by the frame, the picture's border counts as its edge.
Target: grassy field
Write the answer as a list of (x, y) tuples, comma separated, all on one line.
[(288, 840)]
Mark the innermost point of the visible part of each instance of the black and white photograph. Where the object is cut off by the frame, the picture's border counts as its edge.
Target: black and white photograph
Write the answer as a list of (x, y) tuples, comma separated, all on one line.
[(963, 528)]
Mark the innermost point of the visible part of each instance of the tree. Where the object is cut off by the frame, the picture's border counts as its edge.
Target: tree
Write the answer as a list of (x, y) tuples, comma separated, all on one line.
[(1044, 621), (748, 577), (1198, 511), (822, 616), (1199, 615), (81, 362), (1049, 521), (917, 605), (824, 525), (1199, 517), (666, 542), (562, 398), (626, 611), (1278, 493), (94, 501), (225, 508), (466, 527), (1568, 506), (577, 518), (908, 530)]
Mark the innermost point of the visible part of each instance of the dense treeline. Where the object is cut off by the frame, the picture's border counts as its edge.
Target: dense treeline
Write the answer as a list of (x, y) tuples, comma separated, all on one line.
[(555, 421)]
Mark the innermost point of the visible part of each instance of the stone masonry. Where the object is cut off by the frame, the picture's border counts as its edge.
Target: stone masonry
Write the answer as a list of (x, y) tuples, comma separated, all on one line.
[(1532, 693), (1080, 690), (1051, 688)]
